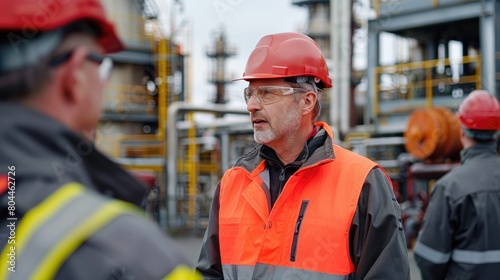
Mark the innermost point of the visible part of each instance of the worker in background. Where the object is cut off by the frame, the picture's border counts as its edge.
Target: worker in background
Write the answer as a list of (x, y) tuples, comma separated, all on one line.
[(298, 206), (67, 211), (459, 237)]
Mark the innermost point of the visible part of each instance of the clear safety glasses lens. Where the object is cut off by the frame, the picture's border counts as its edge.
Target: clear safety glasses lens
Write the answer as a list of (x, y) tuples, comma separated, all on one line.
[(105, 65), (269, 94), (105, 69)]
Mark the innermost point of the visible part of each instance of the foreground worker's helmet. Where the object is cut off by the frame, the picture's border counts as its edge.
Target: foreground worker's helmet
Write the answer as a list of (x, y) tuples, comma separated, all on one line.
[(287, 55), (480, 111), (29, 28)]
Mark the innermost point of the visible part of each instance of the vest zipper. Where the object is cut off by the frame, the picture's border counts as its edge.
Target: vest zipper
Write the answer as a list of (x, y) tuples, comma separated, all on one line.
[(303, 208)]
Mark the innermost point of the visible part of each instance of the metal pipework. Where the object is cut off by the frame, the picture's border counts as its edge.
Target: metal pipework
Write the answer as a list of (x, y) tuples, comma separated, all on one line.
[(174, 110)]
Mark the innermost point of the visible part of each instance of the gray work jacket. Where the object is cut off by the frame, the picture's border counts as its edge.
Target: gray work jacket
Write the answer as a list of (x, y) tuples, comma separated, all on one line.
[(459, 238)]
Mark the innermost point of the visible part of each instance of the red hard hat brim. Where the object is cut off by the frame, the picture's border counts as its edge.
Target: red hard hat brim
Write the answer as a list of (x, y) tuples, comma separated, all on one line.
[(28, 17)]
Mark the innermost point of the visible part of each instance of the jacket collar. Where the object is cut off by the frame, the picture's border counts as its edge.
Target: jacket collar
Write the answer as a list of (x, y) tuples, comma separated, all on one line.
[(479, 150)]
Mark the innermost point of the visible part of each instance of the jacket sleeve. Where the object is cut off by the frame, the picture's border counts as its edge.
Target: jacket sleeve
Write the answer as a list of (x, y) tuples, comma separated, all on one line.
[(434, 244), (378, 246), (209, 262), (128, 247)]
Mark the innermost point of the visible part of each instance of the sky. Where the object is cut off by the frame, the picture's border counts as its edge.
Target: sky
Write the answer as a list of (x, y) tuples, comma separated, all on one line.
[(244, 23)]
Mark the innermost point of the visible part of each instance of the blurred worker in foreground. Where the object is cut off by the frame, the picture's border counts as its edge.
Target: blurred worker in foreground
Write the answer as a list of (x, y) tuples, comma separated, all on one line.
[(459, 237), (298, 206), (67, 211)]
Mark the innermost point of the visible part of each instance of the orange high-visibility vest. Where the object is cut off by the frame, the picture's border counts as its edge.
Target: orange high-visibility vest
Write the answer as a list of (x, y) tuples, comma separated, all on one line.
[(306, 235)]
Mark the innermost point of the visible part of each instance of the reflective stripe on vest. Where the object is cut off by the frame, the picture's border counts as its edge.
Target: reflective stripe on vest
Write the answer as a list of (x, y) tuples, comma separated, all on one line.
[(262, 271), (307, 231), (49, 233)]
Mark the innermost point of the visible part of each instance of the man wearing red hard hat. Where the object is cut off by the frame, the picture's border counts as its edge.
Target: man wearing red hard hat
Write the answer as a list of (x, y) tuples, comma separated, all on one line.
[(459, 237), (68, 212), (299, 206)]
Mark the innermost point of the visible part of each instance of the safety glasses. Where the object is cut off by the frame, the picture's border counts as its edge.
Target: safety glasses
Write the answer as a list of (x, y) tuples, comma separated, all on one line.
[(105, 63), (269, 94)]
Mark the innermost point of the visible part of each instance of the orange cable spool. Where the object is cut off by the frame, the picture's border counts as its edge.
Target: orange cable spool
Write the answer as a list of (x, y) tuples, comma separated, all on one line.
[(433, 135)]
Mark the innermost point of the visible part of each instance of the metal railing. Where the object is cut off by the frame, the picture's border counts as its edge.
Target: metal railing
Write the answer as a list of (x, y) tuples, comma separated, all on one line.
[(401, 88)]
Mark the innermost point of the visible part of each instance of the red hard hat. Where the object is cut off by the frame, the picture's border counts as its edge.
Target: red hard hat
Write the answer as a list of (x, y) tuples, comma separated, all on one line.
[(480, 111), (29, 17), (286, 55)]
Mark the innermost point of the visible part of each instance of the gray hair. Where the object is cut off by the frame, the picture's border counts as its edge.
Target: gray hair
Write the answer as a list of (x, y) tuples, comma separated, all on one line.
[(308, 84), (481, 135)]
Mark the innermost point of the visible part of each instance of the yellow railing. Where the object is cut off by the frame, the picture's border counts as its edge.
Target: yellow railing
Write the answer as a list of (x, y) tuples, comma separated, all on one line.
[(376, 4), (419, 81), (142, 146)]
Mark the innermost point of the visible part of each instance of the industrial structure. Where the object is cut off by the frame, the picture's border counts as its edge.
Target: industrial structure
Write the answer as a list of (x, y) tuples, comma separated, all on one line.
[(423, 58), (319, 28), (219, 52), (439, 51), (148, 126), (148, 76)]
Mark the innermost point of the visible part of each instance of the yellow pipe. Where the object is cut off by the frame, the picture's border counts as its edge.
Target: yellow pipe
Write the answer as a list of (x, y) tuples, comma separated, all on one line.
[(376, 108), (158, 168), (163, 88), (478, 74), (428, 87), (193, 168), (376, 7)]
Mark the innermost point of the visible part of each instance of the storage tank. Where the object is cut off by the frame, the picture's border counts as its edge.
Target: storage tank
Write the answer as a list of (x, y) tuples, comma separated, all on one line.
[(433, 135)]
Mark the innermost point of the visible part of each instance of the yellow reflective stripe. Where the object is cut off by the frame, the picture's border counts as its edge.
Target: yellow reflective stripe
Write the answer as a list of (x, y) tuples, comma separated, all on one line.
[(36, 217), (182, 272), (50, 265)]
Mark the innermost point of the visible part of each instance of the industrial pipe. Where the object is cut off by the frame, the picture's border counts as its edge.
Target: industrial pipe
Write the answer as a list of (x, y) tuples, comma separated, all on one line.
[(174, 110)]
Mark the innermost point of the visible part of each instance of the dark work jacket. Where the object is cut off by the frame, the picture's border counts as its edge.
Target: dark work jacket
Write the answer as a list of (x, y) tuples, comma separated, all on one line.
[(376, 241), (459, 238), (46, 156)]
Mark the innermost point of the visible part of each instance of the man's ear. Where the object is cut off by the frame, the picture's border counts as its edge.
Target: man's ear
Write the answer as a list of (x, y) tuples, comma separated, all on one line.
[(309, 102), (73, 76)]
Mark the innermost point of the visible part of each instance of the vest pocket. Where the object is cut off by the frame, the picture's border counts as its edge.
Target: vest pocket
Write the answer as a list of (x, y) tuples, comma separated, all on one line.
[(296, 232)]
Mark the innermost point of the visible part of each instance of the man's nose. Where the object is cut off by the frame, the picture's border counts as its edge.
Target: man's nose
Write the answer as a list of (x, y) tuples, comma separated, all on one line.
[(252, 104)]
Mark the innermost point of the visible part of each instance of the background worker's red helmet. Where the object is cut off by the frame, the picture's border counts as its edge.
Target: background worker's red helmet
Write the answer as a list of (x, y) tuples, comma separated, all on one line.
[(27, 18), (480, 111), (284, 55)]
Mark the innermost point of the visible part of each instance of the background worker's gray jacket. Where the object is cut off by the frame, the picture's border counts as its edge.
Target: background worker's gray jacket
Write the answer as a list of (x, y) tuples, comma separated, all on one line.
[(460, 234), (48, 157)]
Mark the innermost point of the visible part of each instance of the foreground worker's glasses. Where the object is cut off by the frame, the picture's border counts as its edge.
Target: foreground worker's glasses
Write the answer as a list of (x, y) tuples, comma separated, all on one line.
[(105, 63), (269, 94)]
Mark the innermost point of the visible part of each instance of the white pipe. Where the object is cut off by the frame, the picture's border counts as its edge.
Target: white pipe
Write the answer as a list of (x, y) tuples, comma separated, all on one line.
[(336, 47), (172, 145), (341, 72), (345, 28)]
